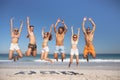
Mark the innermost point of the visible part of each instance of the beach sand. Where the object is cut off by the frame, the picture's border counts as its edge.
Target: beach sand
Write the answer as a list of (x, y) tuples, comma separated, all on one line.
[(59, 71)]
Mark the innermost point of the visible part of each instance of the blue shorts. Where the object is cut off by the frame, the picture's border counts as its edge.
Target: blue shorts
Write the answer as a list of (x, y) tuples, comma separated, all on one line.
[(59, 49)]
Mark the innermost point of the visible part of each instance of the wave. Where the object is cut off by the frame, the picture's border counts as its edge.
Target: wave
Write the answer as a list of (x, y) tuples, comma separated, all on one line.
[(6, 60), (67, 60), (84, 60)]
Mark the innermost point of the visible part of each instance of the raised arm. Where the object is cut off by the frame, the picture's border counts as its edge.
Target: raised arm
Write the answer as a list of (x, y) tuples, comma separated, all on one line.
[(42, 32), (11, 25), (65, 27), (21, 26), (93, 24), (72, 31), (78, 33), (51, 28), (28, 24), (83, 25), (56, 25)]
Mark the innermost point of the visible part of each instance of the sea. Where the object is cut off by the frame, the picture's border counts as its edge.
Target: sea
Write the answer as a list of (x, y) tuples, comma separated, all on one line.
[(112, 57)]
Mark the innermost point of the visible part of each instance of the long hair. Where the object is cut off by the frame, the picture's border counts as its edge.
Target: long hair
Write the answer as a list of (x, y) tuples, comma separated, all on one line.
[(50, 37)]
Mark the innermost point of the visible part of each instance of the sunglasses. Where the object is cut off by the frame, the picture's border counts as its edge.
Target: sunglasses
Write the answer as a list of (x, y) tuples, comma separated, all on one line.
[(74, 36)]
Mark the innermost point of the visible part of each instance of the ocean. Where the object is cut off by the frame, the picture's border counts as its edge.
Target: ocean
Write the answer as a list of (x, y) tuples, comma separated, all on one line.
[(99, 58)]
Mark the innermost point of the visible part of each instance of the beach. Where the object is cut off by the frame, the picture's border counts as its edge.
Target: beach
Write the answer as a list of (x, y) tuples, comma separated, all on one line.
[(59, 71)]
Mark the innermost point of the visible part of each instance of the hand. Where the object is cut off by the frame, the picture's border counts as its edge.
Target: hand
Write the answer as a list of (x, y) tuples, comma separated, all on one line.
[(28, 19), (84, 19), (58, 20), (72, 27), (62, 21), (90, 19), (78, 29), (21, 22), (11, 19), (52, 25)]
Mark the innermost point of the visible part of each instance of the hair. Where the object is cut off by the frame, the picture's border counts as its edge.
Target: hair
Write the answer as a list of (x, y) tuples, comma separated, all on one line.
[(31, 26), (87, 28), (75, 35), (28, 36), (61, 28), (50, 37)]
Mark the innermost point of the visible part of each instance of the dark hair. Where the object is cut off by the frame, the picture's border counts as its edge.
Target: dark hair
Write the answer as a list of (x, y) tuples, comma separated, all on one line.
[(31, 26), (28, 36), (61, 28), (88, 28), (50, 37)]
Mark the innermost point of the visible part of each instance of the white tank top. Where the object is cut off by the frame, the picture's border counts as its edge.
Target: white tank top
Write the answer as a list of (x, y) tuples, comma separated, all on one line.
[(74, 42)]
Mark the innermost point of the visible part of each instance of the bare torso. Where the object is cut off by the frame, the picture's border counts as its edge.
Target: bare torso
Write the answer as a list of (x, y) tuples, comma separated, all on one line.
[(59, 39), (88, 38), (74, 44), (32, 38), (45, 42), (15, 38)]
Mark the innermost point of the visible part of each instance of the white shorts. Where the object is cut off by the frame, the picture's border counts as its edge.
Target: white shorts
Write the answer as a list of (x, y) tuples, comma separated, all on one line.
[(74, 52), (14, 46), (60, 49), (46, 49)]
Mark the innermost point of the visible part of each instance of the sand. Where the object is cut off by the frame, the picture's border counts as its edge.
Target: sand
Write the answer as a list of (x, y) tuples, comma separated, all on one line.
[(59, 71)]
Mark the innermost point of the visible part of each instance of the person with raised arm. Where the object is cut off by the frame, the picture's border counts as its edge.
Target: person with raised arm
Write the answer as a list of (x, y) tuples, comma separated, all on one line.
[(15, 35), (88, 35), (60, 34), (74, 48), (47, 36), (32, 47)]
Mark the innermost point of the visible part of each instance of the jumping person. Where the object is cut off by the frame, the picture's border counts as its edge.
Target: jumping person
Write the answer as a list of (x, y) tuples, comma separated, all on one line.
[(60, 39), (45, 50), (74, 49), (88, 35), (15, 35), (32, 47)]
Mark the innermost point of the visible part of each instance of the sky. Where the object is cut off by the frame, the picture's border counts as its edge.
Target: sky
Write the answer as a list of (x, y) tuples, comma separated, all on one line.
[(42, 13)]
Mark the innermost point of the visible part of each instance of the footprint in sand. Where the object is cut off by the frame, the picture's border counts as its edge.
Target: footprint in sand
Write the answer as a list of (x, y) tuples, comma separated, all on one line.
[(50, 72), (32, 72), (21, 72)]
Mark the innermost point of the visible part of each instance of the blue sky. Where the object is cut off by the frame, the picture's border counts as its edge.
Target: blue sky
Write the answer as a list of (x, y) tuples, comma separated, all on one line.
[(42, 13)]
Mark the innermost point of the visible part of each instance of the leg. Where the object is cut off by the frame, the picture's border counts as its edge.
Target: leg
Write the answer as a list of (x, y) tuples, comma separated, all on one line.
[(34, 53), (19, 53), (28, 52), (93, 54), (62, 56), (71, 60), (77, 60), (11, 54), (56, 56), (92, 51), (86, 54), (42, 56), (46, 57)]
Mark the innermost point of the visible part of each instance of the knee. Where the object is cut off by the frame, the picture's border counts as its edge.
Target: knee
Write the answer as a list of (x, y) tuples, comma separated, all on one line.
[(34, 55), (27, 54), (10, 58), (63, 55), (94, 56), (55, 55), (85, 56), (41, 58), (20, 56)]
